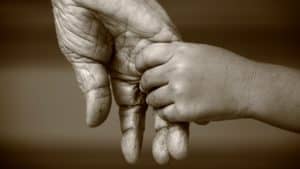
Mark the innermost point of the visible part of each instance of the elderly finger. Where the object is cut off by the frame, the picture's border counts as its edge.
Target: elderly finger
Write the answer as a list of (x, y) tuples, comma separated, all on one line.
[(132, 117), (93, 81), (132, 124), (160, 148), (178, 140), (178, 135)]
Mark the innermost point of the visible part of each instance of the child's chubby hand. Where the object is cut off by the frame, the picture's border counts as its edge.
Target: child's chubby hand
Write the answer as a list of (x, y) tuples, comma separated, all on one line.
[(188, 82)]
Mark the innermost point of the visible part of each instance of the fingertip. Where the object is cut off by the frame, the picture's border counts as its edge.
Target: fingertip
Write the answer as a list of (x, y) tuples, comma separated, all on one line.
[(131, 145), (178, 141), (98, 104), (132, 120), (167, 113), (159, 148), (152, 55), (92, 124)]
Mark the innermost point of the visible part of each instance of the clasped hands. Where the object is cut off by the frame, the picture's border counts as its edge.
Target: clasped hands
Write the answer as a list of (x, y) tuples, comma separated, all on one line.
[(133, 48), (101, 39)]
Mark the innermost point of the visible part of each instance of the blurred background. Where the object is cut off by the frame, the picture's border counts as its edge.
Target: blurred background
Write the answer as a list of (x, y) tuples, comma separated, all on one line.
[(42, 120)]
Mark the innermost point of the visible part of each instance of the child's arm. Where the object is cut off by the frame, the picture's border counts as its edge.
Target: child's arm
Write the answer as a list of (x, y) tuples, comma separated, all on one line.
[(190, 82), (275, 96)]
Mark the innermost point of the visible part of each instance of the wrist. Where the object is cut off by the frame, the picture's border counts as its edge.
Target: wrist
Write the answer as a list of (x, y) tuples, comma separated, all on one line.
[(241, 73), (245, 88), (267, 87)]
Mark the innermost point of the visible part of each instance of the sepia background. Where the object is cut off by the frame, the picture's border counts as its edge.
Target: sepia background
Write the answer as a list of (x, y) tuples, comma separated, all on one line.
[(42, 120)]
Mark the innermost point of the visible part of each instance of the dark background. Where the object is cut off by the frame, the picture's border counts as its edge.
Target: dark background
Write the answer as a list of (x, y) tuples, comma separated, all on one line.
[(42, 110)]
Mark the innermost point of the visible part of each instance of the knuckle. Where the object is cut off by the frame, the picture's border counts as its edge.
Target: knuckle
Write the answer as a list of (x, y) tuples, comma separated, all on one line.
[(173, 87), (183, 113), (176, 88), (181, 68)]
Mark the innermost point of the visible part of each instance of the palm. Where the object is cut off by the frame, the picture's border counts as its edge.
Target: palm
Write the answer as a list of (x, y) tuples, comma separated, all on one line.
[(133, 24)]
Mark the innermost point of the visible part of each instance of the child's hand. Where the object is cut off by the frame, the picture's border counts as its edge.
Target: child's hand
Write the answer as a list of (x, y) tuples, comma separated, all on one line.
[(200, 83)]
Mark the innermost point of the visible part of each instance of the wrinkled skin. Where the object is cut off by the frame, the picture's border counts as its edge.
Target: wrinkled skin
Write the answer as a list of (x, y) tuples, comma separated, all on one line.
[(195, 83), (101, 39)]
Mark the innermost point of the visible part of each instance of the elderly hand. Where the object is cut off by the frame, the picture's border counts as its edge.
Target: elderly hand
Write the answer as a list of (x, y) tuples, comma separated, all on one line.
[(89, 31)]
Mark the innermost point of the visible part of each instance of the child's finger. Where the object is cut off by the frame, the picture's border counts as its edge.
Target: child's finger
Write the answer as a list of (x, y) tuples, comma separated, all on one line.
[(153, 78), (170, 113), (160, 97), (154, 55)]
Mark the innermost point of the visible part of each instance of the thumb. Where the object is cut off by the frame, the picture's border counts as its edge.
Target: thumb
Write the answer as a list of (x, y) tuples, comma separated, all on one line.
[(94, 82), (87, 46)]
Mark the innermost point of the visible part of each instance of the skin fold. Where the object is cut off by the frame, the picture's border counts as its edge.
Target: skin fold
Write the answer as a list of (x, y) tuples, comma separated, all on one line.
[(199, 83), (101, 39)]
